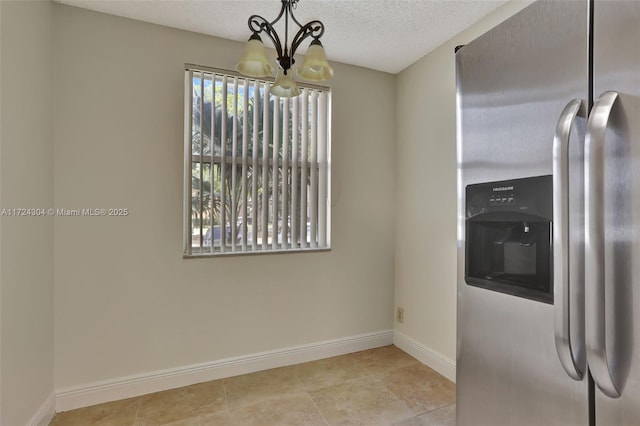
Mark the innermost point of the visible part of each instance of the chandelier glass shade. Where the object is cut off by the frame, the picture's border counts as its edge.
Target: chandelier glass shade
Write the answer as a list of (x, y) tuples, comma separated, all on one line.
[(254, 62), (285, 86), (315, 66)]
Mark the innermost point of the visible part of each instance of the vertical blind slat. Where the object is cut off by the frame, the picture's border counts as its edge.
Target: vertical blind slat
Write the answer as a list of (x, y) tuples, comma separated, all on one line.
[(245, 160), (328, 167), (188, 159), (223, 168), (274, 173), (294, 173), (254, 166), (265, 167), (212, 179), (234, 172), (313, 197), (285, 173), (304, 215), (200, 168), (322, 165)]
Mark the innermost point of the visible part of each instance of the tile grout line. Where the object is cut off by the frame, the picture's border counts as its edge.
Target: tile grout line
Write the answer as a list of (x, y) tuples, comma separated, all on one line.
[(135, 418), (306, 392), (435, 378), (367, 374), (413, 414), (436, 409), (387, 373), (317, 408), (226, 400)]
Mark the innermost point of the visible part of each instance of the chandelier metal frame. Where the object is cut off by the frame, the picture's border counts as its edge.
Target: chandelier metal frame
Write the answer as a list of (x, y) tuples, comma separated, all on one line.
[(258, 24)]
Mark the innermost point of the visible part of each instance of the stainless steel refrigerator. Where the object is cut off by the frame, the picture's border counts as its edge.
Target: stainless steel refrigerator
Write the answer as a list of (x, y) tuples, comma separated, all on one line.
[(548, 129)]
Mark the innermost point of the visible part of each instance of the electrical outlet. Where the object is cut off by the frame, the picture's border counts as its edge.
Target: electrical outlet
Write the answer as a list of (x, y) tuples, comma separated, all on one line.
[(400, 315)]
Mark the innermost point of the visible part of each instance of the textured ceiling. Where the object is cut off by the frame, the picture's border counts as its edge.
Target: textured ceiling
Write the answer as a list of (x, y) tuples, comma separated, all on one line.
[(384, 35)]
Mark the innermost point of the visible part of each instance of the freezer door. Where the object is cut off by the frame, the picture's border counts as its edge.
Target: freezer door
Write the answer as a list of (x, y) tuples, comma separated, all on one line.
[(513, 84), (617, 69)]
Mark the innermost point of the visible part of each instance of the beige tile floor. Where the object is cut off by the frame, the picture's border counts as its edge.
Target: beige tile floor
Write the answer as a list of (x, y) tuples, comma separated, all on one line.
[(377, 387)]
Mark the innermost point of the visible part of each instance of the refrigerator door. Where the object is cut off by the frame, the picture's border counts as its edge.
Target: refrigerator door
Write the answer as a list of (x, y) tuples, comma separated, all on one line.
[(617, 69), (513, 84)]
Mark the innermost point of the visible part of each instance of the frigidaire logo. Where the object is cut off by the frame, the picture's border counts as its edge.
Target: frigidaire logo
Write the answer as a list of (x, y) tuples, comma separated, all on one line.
[(503, 188)]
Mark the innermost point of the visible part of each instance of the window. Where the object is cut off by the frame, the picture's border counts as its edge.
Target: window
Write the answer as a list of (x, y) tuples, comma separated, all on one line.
[(257, 167)]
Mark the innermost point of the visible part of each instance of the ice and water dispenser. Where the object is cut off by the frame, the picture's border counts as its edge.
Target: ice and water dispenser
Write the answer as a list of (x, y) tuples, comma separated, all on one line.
[(508, 237)]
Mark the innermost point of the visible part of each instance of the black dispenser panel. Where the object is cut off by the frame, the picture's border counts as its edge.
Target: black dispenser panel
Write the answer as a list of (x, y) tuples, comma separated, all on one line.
[(508, 237)]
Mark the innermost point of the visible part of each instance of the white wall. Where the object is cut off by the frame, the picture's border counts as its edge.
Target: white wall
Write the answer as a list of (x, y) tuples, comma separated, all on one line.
[(26, 181), (126, 301), (425, 257)]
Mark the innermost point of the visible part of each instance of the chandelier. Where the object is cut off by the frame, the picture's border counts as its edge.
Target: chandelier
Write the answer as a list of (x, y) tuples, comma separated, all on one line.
[(254, 62)]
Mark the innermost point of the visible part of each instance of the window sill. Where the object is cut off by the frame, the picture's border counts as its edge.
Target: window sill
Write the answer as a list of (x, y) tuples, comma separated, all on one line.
[(256, 252)]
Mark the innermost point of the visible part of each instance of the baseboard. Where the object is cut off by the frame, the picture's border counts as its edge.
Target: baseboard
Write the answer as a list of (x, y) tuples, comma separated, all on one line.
[(155, 381), (45, 413), (429, 357)]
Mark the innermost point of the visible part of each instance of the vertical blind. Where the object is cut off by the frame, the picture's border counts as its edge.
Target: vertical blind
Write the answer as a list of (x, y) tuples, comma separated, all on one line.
[(257, 166)]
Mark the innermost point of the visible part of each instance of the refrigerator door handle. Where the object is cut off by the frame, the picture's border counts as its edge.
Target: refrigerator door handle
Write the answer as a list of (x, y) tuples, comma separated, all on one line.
[(595, 327), (561, 292)]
